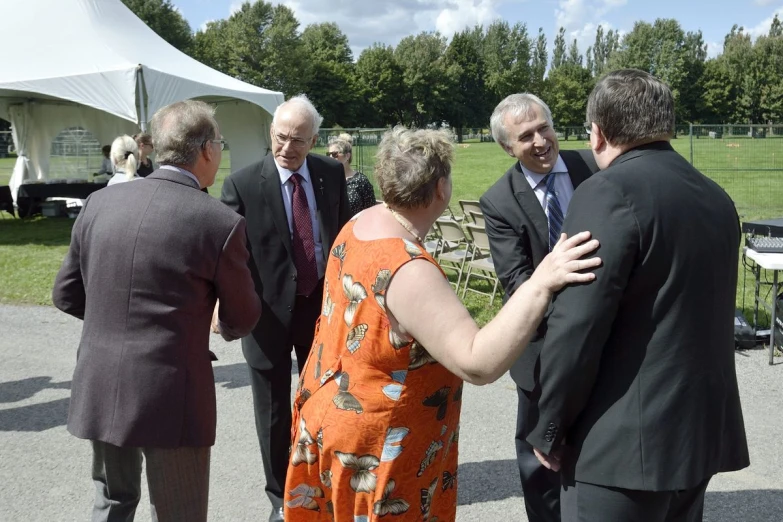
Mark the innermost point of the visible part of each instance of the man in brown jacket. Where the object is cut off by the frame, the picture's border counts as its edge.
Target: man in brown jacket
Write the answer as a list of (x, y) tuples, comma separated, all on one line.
[(146, 263)]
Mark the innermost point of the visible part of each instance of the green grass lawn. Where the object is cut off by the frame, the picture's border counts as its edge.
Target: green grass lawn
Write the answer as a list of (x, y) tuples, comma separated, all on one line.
[(31, 250)]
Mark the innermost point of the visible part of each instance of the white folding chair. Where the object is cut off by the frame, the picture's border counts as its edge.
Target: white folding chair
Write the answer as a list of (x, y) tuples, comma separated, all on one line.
[(480, 264), (476, 217), (454, 248), (468, 206)]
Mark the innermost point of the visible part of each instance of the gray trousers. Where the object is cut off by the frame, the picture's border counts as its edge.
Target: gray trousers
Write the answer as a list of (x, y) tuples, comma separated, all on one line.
[(178, 481)]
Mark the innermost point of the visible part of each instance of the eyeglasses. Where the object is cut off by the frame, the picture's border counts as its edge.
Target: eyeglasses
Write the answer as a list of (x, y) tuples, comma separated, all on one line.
[(333, 154), (297, 143), (588, 128), (222, 143)]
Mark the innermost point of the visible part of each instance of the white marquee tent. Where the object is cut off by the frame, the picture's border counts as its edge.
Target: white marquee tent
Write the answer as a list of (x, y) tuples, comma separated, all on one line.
[(94, 64)]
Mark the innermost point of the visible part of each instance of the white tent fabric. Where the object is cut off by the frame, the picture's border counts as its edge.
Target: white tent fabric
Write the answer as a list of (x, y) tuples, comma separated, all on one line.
[(93, 63)]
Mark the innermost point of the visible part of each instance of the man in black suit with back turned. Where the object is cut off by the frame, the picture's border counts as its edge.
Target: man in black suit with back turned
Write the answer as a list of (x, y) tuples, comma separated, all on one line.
[(638, 391), (516, 215), (295, 204)]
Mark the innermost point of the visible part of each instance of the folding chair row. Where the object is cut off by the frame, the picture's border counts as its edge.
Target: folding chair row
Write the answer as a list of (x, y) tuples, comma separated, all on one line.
[(465, 254)]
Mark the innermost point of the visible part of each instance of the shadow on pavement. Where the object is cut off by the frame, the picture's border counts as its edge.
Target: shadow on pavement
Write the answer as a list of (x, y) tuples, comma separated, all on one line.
[(237, 375), (232, 375), (36, 417), (488, 481), (753, 505), (13, 391)]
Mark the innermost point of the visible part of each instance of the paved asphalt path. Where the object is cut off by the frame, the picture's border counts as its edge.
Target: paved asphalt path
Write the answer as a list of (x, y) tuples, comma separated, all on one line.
[(45, 472)]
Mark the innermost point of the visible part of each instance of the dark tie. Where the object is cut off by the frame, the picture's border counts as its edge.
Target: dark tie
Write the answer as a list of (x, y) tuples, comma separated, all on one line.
[(303, 243), (553, 211)]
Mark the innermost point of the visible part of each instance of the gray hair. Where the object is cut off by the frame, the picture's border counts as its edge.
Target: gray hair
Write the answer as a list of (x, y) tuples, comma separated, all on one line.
[(125, 155), (631, 106), (180, 130), (303, 105), (514, 105), (409, 164)]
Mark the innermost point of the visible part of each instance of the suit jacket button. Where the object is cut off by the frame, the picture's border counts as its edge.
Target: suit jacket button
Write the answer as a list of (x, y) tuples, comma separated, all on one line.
[(290, 308), (293, 277)]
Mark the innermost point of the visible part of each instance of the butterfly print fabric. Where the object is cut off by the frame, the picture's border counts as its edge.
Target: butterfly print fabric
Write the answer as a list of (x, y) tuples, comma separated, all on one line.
[(376, 417)]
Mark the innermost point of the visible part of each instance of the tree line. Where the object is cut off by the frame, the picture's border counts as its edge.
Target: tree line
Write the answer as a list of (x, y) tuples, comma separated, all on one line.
[(428, 78)]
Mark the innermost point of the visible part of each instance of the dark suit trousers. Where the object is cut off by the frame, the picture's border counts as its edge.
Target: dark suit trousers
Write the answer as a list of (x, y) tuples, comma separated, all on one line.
[(540, 486), (272, 398), (588, 502), (178, 481)]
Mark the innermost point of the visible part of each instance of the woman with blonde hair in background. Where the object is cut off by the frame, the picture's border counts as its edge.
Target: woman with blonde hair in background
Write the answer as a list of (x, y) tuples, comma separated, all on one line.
[(376, 416), (360, 192), (125, 159)]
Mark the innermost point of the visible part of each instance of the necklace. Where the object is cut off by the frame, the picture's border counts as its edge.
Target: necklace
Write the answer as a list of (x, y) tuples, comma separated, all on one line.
[(401, 220)]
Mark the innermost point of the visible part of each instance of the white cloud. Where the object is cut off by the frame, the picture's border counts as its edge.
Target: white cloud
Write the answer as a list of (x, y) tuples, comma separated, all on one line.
[(570, 13), (365, 22), (455, 18), (762, 28), (714, 49), (203, 27), (234, 7)]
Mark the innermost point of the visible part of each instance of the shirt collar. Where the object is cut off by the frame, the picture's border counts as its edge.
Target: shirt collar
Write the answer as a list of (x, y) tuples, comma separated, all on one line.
[(286, 174), (182, 171), (535, 178)]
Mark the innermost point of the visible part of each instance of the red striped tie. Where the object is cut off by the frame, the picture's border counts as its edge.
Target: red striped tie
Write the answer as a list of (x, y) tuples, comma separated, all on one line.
[(303, 242)]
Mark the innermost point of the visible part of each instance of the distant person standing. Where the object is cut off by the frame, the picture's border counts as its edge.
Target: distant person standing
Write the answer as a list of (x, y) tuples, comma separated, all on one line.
[(124, 159), (106, 167), (146, 166), (146, 263), (361, 194)]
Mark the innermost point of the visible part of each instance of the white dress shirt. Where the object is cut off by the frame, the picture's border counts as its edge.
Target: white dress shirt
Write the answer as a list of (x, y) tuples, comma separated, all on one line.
[(287, 186), (564, 189)]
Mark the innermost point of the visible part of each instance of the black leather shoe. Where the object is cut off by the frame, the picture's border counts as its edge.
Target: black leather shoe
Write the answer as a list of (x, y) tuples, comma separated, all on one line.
[(276, 515)]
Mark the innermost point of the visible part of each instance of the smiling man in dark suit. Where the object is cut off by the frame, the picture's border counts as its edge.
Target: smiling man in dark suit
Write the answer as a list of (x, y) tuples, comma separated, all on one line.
[(146, 263), (295, 204), (517, 212), (638, 389)]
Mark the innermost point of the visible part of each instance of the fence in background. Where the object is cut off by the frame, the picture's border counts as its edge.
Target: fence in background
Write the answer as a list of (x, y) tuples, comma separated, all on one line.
[(746, 160)]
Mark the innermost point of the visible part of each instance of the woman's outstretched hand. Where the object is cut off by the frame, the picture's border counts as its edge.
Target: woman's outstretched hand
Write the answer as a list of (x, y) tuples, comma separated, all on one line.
[(563, 264)]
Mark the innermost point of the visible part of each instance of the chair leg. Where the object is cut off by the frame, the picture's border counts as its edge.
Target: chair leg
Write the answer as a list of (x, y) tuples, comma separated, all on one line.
[(467, 280), (494, 290)]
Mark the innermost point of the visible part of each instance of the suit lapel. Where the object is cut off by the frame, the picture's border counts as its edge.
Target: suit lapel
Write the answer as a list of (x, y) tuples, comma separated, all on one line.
[(529, 202), (322, 204), (273, 195), (577, 169)]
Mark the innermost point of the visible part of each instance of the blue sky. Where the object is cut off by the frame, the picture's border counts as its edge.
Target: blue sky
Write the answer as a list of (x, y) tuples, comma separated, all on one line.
[(388, 21)]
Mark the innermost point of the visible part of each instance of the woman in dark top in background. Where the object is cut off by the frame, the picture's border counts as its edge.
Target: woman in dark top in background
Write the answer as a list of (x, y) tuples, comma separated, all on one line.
[(144, 141), (360, 191)]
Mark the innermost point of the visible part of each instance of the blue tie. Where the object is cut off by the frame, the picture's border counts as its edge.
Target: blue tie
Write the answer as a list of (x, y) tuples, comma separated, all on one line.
[(553, 211)]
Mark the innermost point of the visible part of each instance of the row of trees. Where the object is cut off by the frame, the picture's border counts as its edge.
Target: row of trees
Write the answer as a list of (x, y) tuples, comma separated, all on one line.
[(426, 78)]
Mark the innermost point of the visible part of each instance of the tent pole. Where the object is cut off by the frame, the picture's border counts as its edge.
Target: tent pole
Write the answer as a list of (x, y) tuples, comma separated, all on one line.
[(141, 100)]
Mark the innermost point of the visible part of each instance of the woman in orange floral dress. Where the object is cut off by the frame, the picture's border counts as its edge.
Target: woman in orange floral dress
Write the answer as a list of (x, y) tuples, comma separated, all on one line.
[(376, 416)]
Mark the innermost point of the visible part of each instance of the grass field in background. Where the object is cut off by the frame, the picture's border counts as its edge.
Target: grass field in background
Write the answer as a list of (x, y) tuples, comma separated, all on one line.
[(31, 250)]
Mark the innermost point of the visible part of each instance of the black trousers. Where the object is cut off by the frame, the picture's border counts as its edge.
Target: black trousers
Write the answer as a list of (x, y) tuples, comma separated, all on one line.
[(272, 398), (588, 503), (540, 486)]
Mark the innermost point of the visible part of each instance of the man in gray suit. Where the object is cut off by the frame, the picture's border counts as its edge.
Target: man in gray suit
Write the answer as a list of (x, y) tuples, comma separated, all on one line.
[(147, 261)]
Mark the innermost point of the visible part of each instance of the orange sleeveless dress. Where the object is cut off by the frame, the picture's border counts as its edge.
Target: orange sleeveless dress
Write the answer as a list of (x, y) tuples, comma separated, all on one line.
[(376, 418)]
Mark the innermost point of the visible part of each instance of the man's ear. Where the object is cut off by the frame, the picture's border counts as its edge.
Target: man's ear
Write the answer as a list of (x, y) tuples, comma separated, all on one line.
[(597, 138)]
